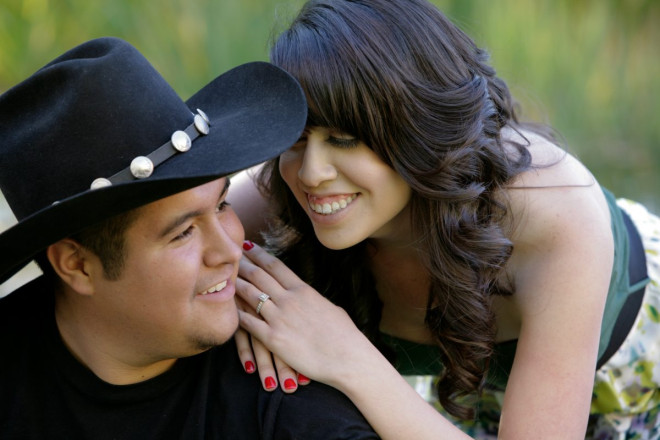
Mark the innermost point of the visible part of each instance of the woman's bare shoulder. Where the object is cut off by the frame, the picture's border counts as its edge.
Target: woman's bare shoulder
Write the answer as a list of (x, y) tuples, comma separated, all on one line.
[(552, 166), (558, 212)]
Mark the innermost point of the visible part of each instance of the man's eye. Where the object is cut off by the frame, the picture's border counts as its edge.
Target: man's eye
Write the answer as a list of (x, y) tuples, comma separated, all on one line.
[(184, 234), (221, 206)]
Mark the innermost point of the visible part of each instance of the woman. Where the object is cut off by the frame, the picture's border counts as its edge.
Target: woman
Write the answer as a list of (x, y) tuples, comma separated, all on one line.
[(464, 244)]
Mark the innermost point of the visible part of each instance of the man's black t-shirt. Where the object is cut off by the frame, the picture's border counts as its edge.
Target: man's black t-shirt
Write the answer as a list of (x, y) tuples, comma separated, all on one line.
[(45, 393)]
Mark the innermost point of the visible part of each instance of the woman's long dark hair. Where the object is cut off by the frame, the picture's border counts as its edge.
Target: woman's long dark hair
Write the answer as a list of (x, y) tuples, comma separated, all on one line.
[(398, 75)]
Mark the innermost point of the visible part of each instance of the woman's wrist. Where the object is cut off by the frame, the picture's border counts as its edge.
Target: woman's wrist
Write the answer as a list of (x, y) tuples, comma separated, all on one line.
[(365, 366)]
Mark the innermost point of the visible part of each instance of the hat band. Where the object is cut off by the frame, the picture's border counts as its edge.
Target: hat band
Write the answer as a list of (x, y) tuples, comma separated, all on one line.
[(143, 166)]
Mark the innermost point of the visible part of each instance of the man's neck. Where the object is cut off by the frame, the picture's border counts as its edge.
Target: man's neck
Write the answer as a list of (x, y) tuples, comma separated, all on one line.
[(87, 344)]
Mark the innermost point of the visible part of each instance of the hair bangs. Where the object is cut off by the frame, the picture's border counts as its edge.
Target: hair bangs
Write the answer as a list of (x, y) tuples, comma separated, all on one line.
[(336, 95)]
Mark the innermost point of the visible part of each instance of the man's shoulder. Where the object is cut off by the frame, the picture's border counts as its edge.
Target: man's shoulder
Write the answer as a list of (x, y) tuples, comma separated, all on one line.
[(315, 411)]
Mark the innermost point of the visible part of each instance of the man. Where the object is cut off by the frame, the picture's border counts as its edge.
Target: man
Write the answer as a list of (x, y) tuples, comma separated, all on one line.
[(119, 188)]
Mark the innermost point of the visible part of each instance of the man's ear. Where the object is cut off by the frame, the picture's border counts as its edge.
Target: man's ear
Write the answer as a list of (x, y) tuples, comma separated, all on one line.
[(72, 262)]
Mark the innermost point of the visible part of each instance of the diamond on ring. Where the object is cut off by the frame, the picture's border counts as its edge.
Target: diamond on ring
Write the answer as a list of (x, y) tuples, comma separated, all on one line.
[(262, 299)]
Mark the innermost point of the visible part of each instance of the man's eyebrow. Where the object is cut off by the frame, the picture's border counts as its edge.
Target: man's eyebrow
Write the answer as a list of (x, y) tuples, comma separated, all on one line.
[(178, 221)]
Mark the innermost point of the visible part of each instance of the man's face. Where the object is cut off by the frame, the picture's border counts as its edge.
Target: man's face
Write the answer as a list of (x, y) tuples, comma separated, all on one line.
[(175, 295)]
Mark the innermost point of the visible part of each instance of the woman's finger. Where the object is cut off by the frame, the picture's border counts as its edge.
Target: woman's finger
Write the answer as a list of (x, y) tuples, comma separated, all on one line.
[(271, 265), (256, 301), (265, 365), (254, 325), (303, 380), (244, 348), (250, 271), (288, 376)]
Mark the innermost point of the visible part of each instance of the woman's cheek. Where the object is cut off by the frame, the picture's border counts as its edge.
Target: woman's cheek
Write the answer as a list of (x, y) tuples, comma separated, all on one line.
[(289, 165)]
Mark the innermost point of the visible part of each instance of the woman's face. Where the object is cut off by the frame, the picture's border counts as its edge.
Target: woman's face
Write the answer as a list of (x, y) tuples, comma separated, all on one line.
[(348, 193)]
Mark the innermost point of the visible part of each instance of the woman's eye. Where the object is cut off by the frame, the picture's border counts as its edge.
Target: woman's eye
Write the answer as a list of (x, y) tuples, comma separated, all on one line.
[(343, 142)]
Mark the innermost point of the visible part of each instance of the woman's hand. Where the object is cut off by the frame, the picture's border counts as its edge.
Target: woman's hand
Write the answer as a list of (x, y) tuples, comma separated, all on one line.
[(302, 328), (255, 356), (317, 338)]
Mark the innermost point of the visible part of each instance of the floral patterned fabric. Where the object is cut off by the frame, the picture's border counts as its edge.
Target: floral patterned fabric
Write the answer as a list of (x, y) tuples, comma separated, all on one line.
[(626, 401)]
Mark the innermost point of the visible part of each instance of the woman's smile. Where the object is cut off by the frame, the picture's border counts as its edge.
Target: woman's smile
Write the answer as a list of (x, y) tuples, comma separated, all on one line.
[(327, 205)]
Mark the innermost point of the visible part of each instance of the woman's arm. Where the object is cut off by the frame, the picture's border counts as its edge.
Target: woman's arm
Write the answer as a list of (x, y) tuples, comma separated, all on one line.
[(319, 339), (561, 267)]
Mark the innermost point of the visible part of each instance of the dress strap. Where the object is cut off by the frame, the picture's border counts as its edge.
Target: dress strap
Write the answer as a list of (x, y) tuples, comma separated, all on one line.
[(638, 278)]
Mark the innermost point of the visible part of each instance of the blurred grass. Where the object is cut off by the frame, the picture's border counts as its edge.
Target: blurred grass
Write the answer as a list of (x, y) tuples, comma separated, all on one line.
[(590, 67), (188, 42)]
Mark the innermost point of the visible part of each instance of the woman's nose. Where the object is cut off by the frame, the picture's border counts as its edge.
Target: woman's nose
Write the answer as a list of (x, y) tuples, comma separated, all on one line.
[(317, 166)]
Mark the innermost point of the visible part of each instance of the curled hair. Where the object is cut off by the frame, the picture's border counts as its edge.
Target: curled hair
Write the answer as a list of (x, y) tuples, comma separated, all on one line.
[(398, 75)]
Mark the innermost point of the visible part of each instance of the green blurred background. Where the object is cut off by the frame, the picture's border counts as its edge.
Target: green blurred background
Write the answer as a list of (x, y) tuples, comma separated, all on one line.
[(589, 67)]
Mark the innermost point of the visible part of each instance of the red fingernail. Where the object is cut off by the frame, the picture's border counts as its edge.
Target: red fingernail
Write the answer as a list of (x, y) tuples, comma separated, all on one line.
[(270, 383), (249, 367), (247, 245), (290, 384), (303, 379)]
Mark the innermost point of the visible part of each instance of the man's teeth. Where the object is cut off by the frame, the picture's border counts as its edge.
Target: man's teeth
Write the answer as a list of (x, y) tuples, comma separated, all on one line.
[(216, 288), (331, 208)]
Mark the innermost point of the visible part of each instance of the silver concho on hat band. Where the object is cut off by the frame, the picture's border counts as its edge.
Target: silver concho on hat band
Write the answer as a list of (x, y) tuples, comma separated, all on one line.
[(101, 182), (204, 116), (142, 167), (181, 141), (201, 125)]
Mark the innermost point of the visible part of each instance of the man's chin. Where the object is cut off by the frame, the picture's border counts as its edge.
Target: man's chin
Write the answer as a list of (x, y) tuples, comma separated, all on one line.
[(217, 336), (205, 343)]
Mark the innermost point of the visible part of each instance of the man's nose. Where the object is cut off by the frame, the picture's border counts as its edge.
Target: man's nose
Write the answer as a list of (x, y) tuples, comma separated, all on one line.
[(222, 247)]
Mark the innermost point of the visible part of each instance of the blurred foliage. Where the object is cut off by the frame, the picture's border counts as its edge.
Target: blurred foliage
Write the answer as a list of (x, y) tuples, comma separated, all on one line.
[(591, 68)]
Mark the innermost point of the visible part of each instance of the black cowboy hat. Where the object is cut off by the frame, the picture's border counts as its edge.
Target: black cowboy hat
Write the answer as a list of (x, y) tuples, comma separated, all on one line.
[(92, 111)]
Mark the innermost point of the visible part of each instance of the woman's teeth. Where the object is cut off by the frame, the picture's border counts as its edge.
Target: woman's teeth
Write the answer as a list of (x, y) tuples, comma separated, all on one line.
[(331, 207), (216, 288)]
